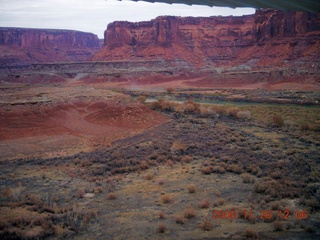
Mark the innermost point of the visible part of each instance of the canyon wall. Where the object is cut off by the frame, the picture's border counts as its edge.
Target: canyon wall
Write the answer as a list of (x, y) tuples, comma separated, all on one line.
[(46, 38), (166, 30), (270, 23), (265, 37), (23, 45)]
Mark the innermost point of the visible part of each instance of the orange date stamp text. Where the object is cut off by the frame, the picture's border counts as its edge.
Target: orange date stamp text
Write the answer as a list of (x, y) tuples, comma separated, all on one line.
[(263, 214)]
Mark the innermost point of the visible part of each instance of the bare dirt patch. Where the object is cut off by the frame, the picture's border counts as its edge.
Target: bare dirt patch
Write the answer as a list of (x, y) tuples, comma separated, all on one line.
[(62, 120)]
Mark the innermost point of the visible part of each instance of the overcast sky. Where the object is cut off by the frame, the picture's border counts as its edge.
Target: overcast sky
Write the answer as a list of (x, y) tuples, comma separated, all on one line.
[(94, 15)]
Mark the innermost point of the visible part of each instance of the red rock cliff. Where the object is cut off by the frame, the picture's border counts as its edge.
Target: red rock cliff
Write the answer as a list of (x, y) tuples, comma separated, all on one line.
[(22, 45), (272, 23), (46, 38), (167, 30), (223, 40)]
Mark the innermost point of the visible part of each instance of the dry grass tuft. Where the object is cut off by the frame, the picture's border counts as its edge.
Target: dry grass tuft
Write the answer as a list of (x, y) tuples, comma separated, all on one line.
[(189, 212), (247, 178), (166, 199), (244, 115), (192, 188), (161, 228), (206, 170), (111, 196), (186, 159), (217, 193), (206, 224), (180, 219), (148, 176), (204, 203), (81, 193), (161, 215)]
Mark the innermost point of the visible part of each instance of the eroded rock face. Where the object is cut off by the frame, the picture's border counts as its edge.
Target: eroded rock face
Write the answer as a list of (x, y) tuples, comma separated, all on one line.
[(167, 30), (186, 38), (45, 38), (22, 45), (272, 23), (216, 40)]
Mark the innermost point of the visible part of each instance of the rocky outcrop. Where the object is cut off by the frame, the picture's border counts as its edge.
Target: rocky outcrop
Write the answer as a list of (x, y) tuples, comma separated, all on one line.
[(220, 41), (23, 45)]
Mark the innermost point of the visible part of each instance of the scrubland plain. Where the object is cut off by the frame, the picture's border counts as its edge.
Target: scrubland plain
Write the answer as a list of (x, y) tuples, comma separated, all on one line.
[(164, 169)]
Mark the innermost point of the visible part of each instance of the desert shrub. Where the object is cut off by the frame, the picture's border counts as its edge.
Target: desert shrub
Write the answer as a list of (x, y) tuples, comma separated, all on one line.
[(6, 192), (217, 193), (141, 99), (304, 126), (99, 189), (244, 115), (186, 159), (250, 234), (236, 168), (211, 112), (278, 225), (180, 108), (170, 163), (161, 215), (276, 205), (313, 203), (277, 120), (167, 106), (192, 188), (161, 228), (47, 221), (180, 219), (161, 182), (166, 199), (206, 224), (310, 126), (276, 173), (148, 176), (203, 111), (156, 105), (189, 212), (247, 178), (111, 196), (221, 201), (219, 109), (192, 107), (253, 169), (233, 111), (309, 228), (179, 147), (81, 193), (170, 90), (221, 170), (260, 187), (206, 170), (144, 165), (204, 203)]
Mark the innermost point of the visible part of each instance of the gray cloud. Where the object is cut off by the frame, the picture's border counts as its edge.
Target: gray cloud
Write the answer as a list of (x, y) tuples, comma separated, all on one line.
[(95, 15)]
